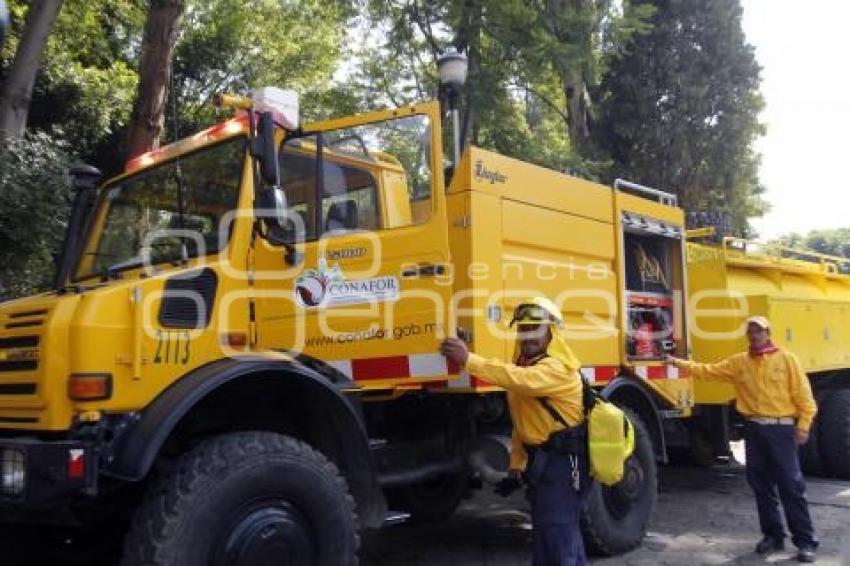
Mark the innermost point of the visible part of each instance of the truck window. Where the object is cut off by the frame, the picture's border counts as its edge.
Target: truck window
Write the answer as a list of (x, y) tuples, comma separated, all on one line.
[(145, 221), (349, 199), (373, 176)]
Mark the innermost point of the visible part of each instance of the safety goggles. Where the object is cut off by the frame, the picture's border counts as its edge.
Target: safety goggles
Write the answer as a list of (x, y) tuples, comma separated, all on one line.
[(531, 314)]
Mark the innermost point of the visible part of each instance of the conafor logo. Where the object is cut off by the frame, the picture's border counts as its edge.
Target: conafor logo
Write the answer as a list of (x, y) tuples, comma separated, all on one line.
[(323, 287), (311, 287), (491, 175)]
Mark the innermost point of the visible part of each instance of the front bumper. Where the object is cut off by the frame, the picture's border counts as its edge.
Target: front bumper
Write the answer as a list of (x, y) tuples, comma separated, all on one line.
[(38, 473)]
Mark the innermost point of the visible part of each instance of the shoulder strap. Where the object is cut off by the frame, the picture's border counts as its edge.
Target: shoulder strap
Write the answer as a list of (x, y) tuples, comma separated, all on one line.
[(551, 410), (589, 398)]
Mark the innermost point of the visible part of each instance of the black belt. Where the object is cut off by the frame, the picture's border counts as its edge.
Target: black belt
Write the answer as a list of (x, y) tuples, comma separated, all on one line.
[(772, 420), (566, 441)]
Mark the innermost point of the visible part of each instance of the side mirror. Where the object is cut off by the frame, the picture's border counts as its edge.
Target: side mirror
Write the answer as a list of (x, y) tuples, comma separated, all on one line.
[(4, 21), (271, 206), (265, 150)]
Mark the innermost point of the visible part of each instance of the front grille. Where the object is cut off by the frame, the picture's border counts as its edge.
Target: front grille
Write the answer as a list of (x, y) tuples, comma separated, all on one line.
[(24, 324), (19, 420), (19, 342), (23, 363), (17, 388), (26, 319), (18, 365), (24, 314)]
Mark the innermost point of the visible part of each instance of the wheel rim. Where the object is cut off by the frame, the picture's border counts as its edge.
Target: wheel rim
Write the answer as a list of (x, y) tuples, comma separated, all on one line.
[(619, 499), (270, 533)]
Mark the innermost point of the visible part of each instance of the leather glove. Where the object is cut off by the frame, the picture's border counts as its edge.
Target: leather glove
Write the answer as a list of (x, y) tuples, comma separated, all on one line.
[(508, 485)]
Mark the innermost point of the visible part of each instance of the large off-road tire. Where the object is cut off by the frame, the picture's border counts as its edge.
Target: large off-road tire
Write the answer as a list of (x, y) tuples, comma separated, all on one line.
[(615, 518), (246, 499), (835, 433), (433, 500)]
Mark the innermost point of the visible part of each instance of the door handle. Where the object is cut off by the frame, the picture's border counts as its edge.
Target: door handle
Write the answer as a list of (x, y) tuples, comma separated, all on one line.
[(430, 270)]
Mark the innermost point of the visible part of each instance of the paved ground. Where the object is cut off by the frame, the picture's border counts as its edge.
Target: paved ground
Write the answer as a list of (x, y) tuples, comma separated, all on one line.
[(702, 517)]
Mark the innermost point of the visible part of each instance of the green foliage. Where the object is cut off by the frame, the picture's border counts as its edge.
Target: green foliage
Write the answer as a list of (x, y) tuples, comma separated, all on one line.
[(34, 200), (663, 92), (530, 65), (679, 109), (831, 242), (397, 66), (235, 46), (88, 79)]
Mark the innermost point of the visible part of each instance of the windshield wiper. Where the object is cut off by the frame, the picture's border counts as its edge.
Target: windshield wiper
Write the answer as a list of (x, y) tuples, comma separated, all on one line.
[(114, 270)]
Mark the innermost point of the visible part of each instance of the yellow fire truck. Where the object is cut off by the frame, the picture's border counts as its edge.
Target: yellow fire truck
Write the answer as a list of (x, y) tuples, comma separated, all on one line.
[(240, 358), (806, 296)]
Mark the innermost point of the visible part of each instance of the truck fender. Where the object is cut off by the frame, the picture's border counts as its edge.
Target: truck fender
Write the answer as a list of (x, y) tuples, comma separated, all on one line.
[(633, 394), (134, 450)]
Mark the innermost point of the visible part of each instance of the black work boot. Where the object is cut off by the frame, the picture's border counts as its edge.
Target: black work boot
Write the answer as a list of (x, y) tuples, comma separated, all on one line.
[(770, 544), (806, 554)]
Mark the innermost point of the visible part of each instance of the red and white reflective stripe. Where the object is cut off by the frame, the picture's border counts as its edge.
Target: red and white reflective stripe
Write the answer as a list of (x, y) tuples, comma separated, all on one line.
[(435, 365), (598, 374), (657, 372), (594, 374), (394, 367)]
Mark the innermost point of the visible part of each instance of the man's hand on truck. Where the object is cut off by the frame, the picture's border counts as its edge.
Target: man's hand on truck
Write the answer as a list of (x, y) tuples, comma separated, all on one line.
[(455, 350)]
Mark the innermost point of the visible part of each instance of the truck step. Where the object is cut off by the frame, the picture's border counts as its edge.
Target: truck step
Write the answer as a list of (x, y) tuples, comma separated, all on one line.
[(392, 518)]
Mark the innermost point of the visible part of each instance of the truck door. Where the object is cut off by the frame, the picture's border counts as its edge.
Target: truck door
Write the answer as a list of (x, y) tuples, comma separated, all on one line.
[(364, 286)]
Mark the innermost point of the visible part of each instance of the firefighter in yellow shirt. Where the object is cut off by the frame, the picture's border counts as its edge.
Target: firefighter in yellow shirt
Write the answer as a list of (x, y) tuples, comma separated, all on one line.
[(549, 437), (774, 396)]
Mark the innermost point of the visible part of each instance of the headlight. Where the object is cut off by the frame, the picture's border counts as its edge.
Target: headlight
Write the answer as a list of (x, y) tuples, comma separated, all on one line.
[(14, 472)]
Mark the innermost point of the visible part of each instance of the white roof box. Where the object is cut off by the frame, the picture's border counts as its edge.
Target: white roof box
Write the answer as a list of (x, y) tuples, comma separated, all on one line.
[(282, 103)]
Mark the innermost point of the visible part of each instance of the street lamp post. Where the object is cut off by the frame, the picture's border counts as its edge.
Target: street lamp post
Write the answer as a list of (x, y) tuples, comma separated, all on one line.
[(452, 67)]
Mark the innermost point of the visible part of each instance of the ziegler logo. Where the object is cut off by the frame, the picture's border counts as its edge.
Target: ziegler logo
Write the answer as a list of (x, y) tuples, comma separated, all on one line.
[(491, 175)]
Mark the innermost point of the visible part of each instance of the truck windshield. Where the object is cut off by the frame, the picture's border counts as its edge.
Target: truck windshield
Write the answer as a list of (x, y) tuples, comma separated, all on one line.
[(165, 213)]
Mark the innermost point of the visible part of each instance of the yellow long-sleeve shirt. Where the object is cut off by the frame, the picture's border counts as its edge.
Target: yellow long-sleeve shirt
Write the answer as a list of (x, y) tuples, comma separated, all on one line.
[(770, 385), (549, 378)]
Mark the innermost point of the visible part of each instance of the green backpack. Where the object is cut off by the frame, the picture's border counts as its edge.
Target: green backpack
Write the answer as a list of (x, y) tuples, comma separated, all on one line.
[(610, 435), (610, 438)]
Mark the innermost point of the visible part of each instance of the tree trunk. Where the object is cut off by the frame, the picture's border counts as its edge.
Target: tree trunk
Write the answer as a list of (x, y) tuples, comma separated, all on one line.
[(161, 30), (577, 102), (16, 96), (569, 21)]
